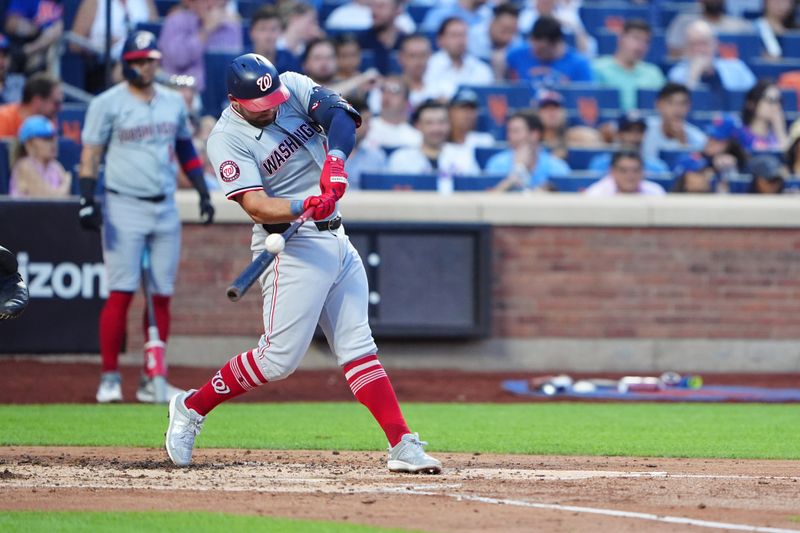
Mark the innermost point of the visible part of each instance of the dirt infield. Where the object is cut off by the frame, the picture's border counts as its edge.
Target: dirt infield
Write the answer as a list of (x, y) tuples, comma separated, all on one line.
[(480, 492), (475, 493)]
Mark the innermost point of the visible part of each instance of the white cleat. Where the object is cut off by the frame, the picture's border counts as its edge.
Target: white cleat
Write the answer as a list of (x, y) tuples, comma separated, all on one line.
[(110, 389), (409, 456), (184, 426), (146, 393)]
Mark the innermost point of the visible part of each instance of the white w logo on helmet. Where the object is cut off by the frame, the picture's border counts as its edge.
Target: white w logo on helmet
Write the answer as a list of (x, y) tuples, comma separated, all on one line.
[(264, 82)]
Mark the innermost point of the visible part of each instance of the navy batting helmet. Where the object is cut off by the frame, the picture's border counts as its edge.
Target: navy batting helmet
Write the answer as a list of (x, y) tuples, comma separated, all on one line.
[(138, 45), (253, 82)]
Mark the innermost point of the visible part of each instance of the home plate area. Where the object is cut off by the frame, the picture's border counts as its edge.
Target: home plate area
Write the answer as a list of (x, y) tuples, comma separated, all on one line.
[(477, 492)]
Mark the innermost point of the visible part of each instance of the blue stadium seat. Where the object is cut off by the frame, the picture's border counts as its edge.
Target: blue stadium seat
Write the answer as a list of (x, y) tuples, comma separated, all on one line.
[(484, 153), (70, 121), (390, 182), (5, 165), (745, 46), (611, 15), (215, 95), (769, 68), (69, 154), (515, 95), (669, 10), (153, 27), (417, 12), (788, 100), (790, 43), (164, 6), (575, 182), (73, 69), (248, 7), (476, 183), (590, 102), (671, 157), (579, 158), (70, 10)]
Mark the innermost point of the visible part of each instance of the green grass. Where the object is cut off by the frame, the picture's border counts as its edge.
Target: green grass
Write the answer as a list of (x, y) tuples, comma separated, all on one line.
[(163, 522), (668, 430)]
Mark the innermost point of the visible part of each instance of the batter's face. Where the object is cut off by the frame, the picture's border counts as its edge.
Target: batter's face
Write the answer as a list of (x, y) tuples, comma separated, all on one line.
[(259, 119), (147, 69)]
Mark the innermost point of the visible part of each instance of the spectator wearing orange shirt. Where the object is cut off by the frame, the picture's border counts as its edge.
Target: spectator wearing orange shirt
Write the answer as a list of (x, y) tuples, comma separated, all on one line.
[(41, 95)]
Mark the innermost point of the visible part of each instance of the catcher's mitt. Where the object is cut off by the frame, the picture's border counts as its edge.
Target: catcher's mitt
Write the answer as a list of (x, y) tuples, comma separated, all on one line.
[(13, 292), (13, 296)]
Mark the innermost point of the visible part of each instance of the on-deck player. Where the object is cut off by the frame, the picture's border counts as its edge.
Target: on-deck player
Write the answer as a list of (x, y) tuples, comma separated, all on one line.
[(143, 129), (278, 149)]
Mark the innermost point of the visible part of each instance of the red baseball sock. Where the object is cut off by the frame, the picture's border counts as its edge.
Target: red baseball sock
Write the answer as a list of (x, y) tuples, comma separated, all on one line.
[(113, 321), (161, 310), (238, 376), (371, 387)]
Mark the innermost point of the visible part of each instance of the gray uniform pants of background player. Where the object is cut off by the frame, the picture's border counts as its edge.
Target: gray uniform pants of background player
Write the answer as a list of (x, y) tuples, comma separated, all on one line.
[(130, 224), (318, 278)]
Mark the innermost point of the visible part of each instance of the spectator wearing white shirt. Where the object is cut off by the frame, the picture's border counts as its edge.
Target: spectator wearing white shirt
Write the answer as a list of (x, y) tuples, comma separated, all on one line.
[(357, 15), (452, 66), (435, 155), (391, 128), (701, 64), (626, 177)]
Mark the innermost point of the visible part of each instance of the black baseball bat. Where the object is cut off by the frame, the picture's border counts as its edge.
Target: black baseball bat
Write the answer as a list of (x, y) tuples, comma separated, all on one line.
[(250, 274)]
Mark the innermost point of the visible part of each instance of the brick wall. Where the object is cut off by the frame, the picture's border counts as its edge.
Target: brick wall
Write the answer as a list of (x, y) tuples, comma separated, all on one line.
[(645, 283), (562, 282)]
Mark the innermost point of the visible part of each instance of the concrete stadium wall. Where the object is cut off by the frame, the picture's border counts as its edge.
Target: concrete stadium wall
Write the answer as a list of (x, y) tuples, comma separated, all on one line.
[(645, 284)]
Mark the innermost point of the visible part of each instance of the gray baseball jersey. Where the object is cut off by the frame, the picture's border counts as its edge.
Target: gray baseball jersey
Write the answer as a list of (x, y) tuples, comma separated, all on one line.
[(140, 162), (140, 138), (319, 277), (284, 159)]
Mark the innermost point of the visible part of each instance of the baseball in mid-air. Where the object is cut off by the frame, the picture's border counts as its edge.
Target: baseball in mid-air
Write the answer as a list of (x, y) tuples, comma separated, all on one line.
[(275, 243)]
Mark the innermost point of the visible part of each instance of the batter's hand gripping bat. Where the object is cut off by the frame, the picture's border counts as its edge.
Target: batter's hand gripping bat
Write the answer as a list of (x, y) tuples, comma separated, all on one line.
[(154, 347), (250, 274)]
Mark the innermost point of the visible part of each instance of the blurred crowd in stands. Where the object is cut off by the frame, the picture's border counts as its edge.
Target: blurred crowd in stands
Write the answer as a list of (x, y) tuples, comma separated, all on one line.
[(600, 96)]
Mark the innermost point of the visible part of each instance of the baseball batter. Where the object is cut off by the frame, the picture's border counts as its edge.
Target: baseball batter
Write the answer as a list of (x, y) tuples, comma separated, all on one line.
[(279, 149), (142, 128)]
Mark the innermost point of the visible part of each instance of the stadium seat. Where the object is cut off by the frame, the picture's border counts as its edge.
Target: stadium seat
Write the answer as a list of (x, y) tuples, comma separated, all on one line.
[(476, 183), (153, 27), (575, 182), (417, 12), (671, 157), (590, 102), (70, 121), (5, 165), (69, 155), (70, 10), (398, 182), (509, 95), (788, 100), (484, 153), (772, 69), (164, 6), (669, 10), (215, 95), (745, 46), (579, 158), (73, 69), (790, 43)]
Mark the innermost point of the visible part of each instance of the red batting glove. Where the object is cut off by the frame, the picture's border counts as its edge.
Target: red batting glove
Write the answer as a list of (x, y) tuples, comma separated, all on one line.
[(333, 179), (324, 205)]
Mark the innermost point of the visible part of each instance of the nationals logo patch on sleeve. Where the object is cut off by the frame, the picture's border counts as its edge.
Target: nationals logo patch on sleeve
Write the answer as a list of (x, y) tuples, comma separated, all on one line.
[(229, 171)]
